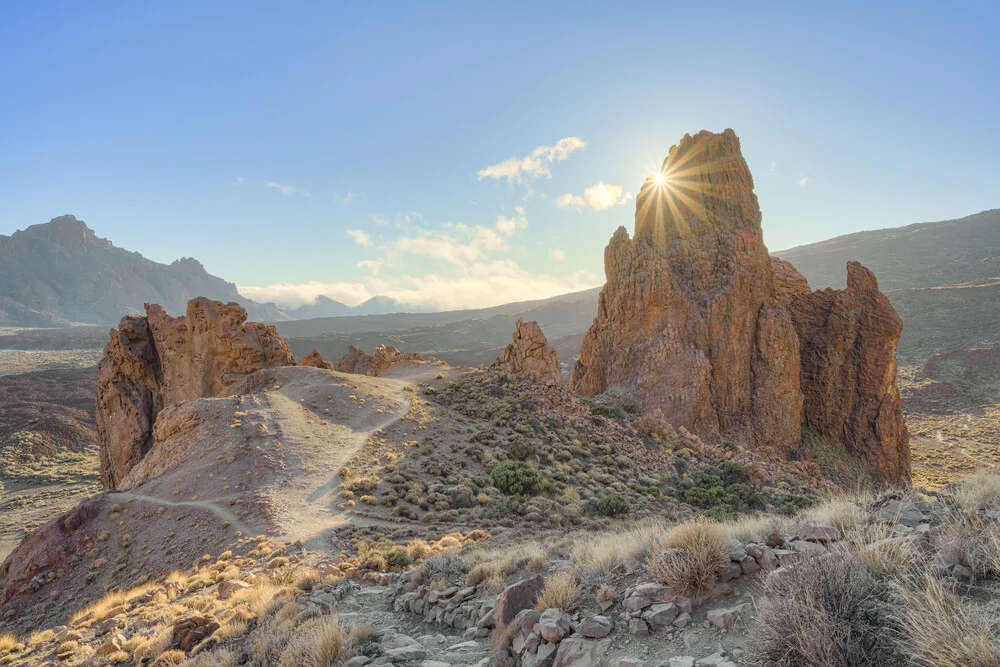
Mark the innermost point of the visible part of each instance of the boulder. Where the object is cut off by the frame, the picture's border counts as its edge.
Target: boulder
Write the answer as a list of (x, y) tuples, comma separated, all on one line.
[(660, 616), (316, 360), (580, 652), (516, 598), (382, 358), (189, 631), (553, 625), (230, 586), (596, 627), (725, 618), (530, 356), (156, 361)]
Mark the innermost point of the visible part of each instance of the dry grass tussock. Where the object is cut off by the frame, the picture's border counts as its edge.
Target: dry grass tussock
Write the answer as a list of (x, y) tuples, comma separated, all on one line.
[(602, 552), (687, 559), (317, 642), (879, 549), (494, 565), (111, 601), (219, 657), (561, 590), (942, 632), (971, 541), (981, 489)]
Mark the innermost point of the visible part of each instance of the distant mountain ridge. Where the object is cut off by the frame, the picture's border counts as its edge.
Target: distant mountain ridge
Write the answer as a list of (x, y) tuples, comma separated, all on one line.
[(61, 272)]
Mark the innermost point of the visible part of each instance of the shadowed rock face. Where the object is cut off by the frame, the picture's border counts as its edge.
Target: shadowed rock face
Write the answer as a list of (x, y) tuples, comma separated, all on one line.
[(530, 355), (382, 358), (696, 320), (159, 360), (848, 342)]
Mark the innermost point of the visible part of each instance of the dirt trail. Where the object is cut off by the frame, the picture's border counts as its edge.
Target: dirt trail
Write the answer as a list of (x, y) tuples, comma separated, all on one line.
[(209, 505)]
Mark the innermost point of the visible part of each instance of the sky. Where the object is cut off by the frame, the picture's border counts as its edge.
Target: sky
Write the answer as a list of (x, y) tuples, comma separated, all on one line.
[(456, 155)]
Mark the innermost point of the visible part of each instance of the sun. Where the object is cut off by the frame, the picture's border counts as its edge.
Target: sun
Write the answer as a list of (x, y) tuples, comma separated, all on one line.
[(660, 178)]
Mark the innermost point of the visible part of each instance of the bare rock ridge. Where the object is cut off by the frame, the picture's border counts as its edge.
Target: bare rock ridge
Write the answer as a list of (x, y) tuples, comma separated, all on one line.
[(530, 355), (155, 361), (316, 360), (696, 320), (382, 358)]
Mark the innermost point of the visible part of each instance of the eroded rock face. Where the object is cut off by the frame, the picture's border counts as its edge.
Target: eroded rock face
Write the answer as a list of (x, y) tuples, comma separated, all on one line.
[(316, 360), (381, 359), (697, 321), (159, 360), (530, 355), (687, 322), (848, 341)]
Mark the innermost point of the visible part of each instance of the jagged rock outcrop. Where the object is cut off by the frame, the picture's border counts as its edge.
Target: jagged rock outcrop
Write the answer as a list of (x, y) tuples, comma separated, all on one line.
[(382, 358), (159, 360), (687, 322), (530, 355), (697, 321), (316, 360), (847, 342)]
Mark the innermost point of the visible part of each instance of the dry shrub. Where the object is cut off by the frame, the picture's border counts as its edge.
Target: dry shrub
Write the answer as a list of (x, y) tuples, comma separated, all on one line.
[(219, 657), (561, 590), (980, 489), (971, 541), (169, 658), (879, 549), (607, 594), (318, 642), (688, 558), (827, 612), (501, 640), (941, 631), (602, 552)]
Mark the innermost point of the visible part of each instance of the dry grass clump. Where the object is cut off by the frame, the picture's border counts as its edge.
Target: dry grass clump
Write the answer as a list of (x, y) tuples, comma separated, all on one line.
[(607, 594), (942, 632), (756, 527), (687, 559), (561, 590), (971, 541), (169, 659), (219, 657), (602, 552), (827, 612), (316, 643), (879, 549), (261, 594), (980, 489), (841, 513), (494, 565), (501, 639), (147, 649), (9, 643), (110, 602)]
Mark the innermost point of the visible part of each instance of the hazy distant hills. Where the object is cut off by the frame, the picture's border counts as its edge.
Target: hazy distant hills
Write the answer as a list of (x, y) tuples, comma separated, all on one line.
[(942, 277), (61, 273)]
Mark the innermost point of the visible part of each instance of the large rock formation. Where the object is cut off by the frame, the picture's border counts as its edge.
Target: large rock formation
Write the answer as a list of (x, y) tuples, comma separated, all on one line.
[(687, 322), (696, 320), (382, 358), (530, 355), (847, 342), (155, 361)]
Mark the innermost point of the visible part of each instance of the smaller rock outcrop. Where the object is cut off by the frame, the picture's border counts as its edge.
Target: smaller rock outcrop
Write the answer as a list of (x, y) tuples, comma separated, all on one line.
[(382, 358), (530, 355), (316, 360), (155, 361)]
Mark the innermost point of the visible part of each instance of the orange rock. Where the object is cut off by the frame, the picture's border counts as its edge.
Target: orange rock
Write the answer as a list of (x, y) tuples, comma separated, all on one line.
[(159, 360), (379, 361), (530, 355), (316, 360)]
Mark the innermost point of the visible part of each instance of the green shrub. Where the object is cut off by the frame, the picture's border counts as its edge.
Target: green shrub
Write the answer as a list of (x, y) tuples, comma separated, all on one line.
[(514, 478), (519, 449), (613, 505)]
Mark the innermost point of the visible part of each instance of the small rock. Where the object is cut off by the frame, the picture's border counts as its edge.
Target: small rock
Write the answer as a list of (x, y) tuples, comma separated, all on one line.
[(660, 616), (553, 625), (596, 627), (517, 597), (815, 533), (638, 627), (724, 618)]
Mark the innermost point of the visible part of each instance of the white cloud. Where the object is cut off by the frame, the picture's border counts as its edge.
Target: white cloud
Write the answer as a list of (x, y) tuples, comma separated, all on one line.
[(459, 244), (535, 164), (599, 196), (803, 182), (774, 167), (556, 255), (371, 265), (362, 238), (380, 220), (292, 295), (287, 189), (239, 179)]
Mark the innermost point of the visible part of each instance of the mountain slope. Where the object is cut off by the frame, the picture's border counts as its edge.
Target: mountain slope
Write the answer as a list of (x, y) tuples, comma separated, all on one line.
[(61, 271)]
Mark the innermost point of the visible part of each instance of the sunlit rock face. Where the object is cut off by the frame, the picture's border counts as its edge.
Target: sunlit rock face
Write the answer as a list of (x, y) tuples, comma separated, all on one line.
[(687, 322), (530, 355), (693, 321), (155, 361)]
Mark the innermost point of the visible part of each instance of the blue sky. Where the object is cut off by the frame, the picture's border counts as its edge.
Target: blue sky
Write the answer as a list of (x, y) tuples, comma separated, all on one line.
[(305, 148)]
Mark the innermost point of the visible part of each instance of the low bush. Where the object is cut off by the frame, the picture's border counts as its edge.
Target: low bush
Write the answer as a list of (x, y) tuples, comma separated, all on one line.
[(688, 558), (613, 504), (514, 478)]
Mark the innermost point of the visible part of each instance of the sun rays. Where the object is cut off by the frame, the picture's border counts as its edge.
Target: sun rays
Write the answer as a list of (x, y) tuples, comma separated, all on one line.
[(674, 195)]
